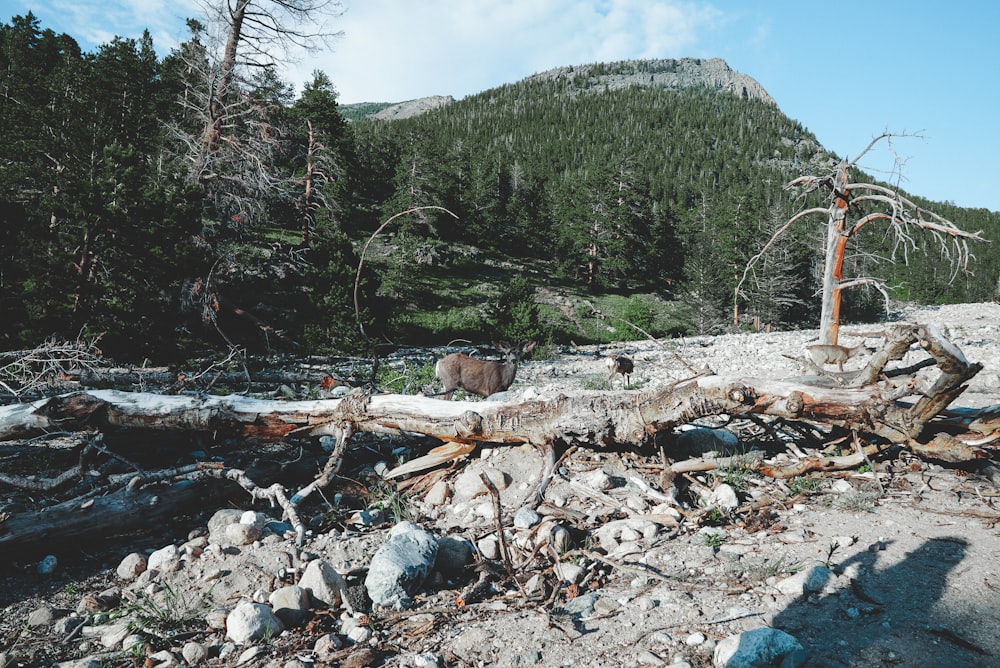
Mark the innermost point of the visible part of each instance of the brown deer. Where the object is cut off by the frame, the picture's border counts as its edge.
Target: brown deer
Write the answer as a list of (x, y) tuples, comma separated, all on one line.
[(620, 364), (484, 378), (829, 353)]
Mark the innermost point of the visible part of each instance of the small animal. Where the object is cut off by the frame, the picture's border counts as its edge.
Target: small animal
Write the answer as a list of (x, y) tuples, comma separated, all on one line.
[(484, 378), (829, 353), (620, 364)]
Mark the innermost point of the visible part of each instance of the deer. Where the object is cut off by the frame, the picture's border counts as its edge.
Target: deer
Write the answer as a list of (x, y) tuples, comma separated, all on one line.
[(828, 353), (620, 364), (484, 378)]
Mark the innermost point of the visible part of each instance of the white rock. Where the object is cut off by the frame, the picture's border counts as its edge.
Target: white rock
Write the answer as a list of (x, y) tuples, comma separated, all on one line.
[(359, 634), (811, 580), (695, 639), (290, 604), (165, 560), (724, 498), (241, 534), (597, 479), (132, 566), (323, 583), (568, 572), (113, 635), (252, 621), (489, 547), (469, 485), (438, 494)]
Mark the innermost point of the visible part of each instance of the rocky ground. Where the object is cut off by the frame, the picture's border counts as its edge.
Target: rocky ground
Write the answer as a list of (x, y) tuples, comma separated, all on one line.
[(894, 565)]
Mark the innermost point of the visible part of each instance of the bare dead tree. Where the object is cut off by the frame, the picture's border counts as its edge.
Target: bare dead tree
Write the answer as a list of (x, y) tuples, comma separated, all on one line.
[(229, 139), (853, 206)]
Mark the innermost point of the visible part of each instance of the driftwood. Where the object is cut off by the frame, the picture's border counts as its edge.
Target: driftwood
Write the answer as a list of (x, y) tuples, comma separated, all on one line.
[(883, 410)]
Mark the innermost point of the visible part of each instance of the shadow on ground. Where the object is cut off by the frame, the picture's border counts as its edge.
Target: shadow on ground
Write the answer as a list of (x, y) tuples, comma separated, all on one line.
[(900, 615)]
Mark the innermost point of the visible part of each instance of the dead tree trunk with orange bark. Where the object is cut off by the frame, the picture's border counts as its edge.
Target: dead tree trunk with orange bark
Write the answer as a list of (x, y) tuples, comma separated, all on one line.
[(853, 205)]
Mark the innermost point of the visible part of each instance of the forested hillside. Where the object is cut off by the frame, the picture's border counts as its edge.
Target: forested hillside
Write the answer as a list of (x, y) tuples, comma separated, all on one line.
[(167, 207)]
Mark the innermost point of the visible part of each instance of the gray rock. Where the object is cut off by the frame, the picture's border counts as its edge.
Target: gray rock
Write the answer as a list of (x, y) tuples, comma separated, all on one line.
[(194, 653), (526, 517), (163, 659), (290, 604), (400, 566), (326, 646), (473, 641), (324, 584), (43, 616), (759, 647), (453, 555), (252, 621), (250, 654), (581, 606)]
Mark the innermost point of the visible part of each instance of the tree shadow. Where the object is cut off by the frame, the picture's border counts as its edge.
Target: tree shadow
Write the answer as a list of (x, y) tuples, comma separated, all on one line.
[(896, 616)]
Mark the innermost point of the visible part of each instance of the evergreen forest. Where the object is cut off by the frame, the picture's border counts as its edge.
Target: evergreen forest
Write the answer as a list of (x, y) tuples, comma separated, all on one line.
[(163, 216)]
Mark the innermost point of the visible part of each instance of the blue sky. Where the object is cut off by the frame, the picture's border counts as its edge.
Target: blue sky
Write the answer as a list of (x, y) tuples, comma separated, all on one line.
[(846, 70)]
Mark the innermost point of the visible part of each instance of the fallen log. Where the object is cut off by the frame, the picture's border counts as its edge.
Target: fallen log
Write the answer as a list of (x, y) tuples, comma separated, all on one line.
[(882, 411), (593, 419)]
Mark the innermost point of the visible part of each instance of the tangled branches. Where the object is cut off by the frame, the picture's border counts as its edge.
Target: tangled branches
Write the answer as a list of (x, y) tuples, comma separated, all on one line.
[(30, 373)]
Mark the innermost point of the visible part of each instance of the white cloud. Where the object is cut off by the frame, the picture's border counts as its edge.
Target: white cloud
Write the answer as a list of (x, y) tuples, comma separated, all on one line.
[(393, 50)]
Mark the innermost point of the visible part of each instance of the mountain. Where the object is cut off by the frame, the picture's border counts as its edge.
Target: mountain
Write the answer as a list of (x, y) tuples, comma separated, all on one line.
[(656, 176), (664, 74)]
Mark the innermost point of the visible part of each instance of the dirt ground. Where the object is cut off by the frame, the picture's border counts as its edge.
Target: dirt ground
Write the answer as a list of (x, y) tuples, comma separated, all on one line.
[(906, 557)]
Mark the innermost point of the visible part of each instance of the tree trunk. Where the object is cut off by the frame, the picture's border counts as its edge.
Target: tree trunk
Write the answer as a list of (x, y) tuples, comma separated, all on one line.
[(833, 266)]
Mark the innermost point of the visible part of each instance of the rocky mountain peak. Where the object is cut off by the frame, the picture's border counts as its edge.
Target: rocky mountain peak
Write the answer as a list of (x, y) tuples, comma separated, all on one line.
[(668, 73)]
